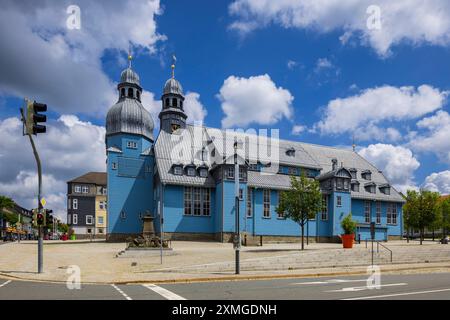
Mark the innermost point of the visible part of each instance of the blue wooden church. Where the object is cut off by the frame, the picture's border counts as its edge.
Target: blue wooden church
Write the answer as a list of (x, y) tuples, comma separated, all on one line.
[(184, 178)]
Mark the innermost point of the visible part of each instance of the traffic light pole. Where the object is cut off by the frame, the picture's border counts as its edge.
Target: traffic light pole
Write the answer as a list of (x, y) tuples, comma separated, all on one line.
[(40, 236)]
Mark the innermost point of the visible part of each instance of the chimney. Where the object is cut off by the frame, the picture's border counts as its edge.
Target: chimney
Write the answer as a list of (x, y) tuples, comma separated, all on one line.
[(334, 164)]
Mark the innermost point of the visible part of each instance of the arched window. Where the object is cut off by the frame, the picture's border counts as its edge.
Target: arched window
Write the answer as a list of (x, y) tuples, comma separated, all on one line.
[(130, 92), (138, 95), (181, 104), (174, 102), (122, 92), (167, 102)]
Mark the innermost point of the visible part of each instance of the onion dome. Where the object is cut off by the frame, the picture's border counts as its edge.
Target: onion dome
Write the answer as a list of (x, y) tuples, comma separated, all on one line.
[(173, 86)]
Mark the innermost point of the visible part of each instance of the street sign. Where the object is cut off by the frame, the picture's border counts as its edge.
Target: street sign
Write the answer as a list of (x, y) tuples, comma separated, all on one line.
[(43, 202)]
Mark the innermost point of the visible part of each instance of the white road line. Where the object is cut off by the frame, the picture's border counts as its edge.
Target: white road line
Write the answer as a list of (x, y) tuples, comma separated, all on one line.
[(169, 295), (5, 283), (398, 294), (366, 287), (121, 292), (333, 281)]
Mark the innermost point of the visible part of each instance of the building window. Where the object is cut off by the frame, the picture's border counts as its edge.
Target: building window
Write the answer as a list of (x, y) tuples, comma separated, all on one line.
[(114, 165), (75, 219), (174, 102), (266, 196), (138, 96), (85, 189), (75, 204), (346, 184), (100, 220), (191, 171), (355, 187), (241, 194), (339, 201), (177, 170), (249, 202), (102, 205), (366, 211), (167, 102), (253, 167), (104, 191), (392, 213), (131, 144), (89, 230), (89, 220), (230, 172), (188, 200), (292, 171), (353, 173), (203, 173), (122, 92), (378, 216), (130, 92), (339, 183), (77, 189), (197, 201), (242, 173), (324, 214), (123, 214), (367, 175), (100, 230)]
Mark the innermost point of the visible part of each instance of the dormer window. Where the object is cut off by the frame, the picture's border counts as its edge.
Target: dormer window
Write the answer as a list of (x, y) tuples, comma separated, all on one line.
[(385, 189), (355, 186), (177, 170), (370, 187), (203, 172), (339, 183), (366, 175), (191, 171), (353, 172)]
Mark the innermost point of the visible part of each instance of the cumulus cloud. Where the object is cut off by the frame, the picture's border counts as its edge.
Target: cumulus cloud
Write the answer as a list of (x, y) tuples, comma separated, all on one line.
[(435, 139), (291, 64), (43, 59), (363, 112), (194, 109), (298, 129), (438, 182), (397, 163), (414, 22), (70, 148), (253, 100)]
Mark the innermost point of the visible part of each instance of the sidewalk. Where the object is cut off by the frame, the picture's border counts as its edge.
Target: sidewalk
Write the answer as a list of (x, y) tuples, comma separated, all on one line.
[(195, 261)]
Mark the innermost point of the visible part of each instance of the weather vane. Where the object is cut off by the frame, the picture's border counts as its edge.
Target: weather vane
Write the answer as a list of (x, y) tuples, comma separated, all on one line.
[(174, 60), (130, 57)]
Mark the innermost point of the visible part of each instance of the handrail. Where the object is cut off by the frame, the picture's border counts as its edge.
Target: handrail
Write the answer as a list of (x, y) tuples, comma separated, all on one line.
[(380, 244)]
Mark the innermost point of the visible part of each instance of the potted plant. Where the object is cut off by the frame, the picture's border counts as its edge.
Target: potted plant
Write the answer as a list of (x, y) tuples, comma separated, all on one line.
[(349, 226)]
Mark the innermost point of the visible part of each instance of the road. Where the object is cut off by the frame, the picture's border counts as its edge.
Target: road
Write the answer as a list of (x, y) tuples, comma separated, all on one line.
[(392, 287)]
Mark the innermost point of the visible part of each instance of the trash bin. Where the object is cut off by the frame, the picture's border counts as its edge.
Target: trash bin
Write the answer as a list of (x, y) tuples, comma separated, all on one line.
[(72, 237)]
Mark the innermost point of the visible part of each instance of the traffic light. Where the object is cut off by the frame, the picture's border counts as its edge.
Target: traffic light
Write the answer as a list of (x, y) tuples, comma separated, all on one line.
[(33, 117), (48, 215), (40, 219), (35, 211)]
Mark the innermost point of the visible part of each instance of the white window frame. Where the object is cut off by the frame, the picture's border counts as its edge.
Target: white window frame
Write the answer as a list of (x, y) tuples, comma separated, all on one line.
[(324, 213), (266, 203), (191, 171), (75, 218), (101, 205), (77, 189), (131, 144), (91, 218), (203, 172), (249, 202), (378, 213), (177, 170), (102, 221), (339, 201), (75, 204), (85, 189), (123, 215), (367, 211), (114, 165), (230, 172)]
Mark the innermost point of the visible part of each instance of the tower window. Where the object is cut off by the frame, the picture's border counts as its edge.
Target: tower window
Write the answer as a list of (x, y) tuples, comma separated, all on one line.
[(181, 104), (174, 102), (167, 102), (122, 92), (138, 95), (130, 92)]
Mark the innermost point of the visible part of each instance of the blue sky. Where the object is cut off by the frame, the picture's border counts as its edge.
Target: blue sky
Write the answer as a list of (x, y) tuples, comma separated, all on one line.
[(317, 60)]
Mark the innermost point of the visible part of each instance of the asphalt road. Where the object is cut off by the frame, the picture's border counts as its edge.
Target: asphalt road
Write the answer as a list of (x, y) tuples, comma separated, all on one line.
[(392, 287)]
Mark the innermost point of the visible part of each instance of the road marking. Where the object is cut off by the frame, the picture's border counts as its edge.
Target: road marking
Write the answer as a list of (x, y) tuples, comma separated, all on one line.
[(397, 294), (121, 292), (169, 295), (367, 287), (5, 283), (333, 281)]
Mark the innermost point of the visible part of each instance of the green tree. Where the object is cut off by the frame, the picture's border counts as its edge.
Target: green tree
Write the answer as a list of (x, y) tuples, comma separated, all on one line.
[(422, 210), (301, 202), (62, 227), (444, 210), (7, 203)]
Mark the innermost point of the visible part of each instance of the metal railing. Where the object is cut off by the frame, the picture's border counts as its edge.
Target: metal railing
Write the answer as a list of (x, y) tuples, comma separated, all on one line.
[(378, 247)]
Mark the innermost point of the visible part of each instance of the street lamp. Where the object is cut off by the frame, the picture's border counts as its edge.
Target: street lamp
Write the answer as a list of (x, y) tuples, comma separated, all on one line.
[(237, 235)]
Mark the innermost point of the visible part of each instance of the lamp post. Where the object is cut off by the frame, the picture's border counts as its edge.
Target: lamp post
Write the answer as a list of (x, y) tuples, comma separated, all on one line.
[(237, 235)]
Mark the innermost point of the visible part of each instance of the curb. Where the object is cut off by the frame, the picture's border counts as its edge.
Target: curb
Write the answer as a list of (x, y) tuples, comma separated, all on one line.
[(234, 277)]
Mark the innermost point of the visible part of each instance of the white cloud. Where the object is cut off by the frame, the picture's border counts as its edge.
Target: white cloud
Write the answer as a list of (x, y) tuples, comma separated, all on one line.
[(298, 129), (323, 63), (48, 62), (151, 105), (397, 163), (363, 112), (291, 64), (194, 109), (436, 139), (69, 149), (415, 21), (254, 100), (438, 182)]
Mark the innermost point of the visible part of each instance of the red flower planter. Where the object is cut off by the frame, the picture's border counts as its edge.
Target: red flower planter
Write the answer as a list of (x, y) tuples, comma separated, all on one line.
[(347, 240)]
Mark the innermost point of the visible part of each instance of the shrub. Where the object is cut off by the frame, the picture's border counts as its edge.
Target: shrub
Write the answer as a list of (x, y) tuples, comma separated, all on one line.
[(348, 224)]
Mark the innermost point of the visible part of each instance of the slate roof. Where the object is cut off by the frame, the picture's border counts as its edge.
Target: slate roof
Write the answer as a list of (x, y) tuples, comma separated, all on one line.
[(168, 147), (98, 178)]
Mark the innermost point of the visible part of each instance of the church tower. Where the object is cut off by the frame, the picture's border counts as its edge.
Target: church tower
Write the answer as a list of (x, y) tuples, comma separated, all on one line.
[(172, 115), (130, 160)]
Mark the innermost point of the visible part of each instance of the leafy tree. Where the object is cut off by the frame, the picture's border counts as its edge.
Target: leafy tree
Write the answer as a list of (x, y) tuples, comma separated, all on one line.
[(7, 203), (301, 202), (444, 208), (422, 210), (62, 227)]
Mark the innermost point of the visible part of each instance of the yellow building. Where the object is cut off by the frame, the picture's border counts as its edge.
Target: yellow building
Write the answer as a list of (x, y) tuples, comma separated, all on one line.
[(100, 214)]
